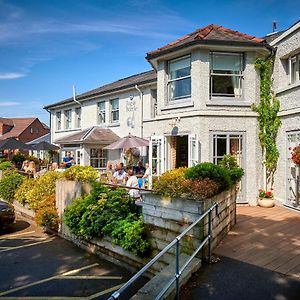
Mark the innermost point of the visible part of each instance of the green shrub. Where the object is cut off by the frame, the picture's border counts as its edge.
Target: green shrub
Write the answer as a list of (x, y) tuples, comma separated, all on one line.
[(6, 165), (171, 183), (44, 186), (24, 190), (130, 234), (81, 173), (99, 214), (229, 162), (214, 172), (9, 184), (200, 189), (46, 213), (18, 159)]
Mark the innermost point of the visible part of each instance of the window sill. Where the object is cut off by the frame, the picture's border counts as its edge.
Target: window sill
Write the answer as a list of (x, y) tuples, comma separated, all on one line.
[(178, 104), (289, 87), (67, 130), (114, 124), (228, 102)]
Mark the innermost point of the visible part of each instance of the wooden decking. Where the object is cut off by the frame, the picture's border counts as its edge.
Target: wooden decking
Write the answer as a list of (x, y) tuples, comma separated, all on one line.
[(266, 237)]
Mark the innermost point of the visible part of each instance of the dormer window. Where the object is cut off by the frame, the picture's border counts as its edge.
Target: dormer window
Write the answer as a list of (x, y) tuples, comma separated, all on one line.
[(179, 78), (226, 74)]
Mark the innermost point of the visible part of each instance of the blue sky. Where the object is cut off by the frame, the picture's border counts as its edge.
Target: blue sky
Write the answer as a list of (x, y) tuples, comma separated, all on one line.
[(47, 46)]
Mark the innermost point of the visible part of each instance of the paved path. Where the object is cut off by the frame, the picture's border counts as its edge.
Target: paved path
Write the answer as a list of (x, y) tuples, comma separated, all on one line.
[(265, 237), (259, 259), (34, 265)]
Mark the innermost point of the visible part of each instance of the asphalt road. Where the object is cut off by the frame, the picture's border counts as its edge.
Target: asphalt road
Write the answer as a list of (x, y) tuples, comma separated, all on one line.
[(34, 265)]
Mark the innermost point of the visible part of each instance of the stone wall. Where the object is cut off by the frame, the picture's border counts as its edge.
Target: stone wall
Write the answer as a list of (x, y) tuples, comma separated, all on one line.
[(166, 218)]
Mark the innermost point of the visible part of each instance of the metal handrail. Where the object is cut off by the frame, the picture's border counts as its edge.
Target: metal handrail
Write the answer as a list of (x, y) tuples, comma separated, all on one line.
[(179, 271)]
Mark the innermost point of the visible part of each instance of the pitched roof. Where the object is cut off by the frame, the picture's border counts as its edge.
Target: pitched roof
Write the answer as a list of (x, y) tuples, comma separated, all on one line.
[(92, 135), (131, 81), (211, 32), (18, 126)]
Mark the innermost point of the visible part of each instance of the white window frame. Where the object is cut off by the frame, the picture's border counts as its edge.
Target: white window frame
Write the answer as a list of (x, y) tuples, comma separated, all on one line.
[(101, 112), (170, 81), (58, 120), (99, 161), (68, 118), (294, 72), (78, 112), (114, 110), (240, 75)]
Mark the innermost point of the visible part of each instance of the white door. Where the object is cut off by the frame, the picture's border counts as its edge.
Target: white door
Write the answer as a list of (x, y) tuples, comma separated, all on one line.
[(157, 155), (194, 155)]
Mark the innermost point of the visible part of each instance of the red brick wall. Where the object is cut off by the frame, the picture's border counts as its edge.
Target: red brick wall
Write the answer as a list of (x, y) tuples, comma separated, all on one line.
[(37, 130)]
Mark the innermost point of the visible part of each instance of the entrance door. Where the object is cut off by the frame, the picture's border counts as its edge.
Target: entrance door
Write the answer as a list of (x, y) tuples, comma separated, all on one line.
[(230, 143), (293, 191)]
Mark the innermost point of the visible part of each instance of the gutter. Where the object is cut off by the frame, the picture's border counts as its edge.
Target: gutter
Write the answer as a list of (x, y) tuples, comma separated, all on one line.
[(141, 95)]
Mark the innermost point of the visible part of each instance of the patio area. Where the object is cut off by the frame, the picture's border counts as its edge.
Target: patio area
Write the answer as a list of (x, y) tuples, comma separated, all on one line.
[(265, 237)]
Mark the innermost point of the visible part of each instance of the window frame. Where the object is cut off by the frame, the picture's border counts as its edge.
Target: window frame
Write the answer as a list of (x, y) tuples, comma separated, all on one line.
[(294, 59), (78, 117), (100, 161), (170, 81), (68, 120), (240, 75), (101, 113), (112, 111), (58, 120)]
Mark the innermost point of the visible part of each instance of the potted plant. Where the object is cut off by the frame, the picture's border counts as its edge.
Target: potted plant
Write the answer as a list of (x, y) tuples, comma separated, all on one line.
[(265, 198)]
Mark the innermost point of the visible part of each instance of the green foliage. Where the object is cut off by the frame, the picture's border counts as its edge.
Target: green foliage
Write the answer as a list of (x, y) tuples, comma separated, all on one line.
[(33, 158), (229, 162), (130, 234), (98, 214), (209, 170), (174, 184), (6, 165), (44, 186), (9, 184), (268, 119), (22, 193), (171, 183), (18, 159), (81, 173)]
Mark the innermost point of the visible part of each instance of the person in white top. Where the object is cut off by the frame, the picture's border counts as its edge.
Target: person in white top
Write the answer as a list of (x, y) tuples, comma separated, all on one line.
[(132, 182)]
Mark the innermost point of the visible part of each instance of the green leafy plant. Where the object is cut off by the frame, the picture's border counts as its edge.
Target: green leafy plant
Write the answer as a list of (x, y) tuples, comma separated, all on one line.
[(98, 215), (130, 234), (265, 194), (171, 183), (18, 159), (81, 173), (44, 186), (46, 214), (6, 165), (229, 162), (22, 194), (200, 189), (9, 184), (211, 171), (268, 119)]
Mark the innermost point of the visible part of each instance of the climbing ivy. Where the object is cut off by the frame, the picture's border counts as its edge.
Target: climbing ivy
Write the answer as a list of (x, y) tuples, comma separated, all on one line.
[(268, 119)]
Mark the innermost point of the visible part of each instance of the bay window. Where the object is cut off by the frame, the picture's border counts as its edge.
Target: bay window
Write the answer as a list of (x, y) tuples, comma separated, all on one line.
[(226, 74), (179, 78), (98, 158)]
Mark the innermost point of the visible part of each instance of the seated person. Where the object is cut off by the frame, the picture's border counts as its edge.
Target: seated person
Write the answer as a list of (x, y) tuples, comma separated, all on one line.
[(132, 182), (120, 175), (25, 165), (140, 169)]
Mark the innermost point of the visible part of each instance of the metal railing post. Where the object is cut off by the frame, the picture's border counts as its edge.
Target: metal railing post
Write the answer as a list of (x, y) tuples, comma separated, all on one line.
[(177, 269), (210, 236)]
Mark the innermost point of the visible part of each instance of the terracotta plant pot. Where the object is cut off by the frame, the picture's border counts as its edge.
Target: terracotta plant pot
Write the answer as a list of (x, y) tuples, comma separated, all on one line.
[(266, 202)]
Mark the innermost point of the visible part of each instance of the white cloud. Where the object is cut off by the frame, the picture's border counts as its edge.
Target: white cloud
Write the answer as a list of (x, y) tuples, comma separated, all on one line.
[(11, 75), (9, 103)]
